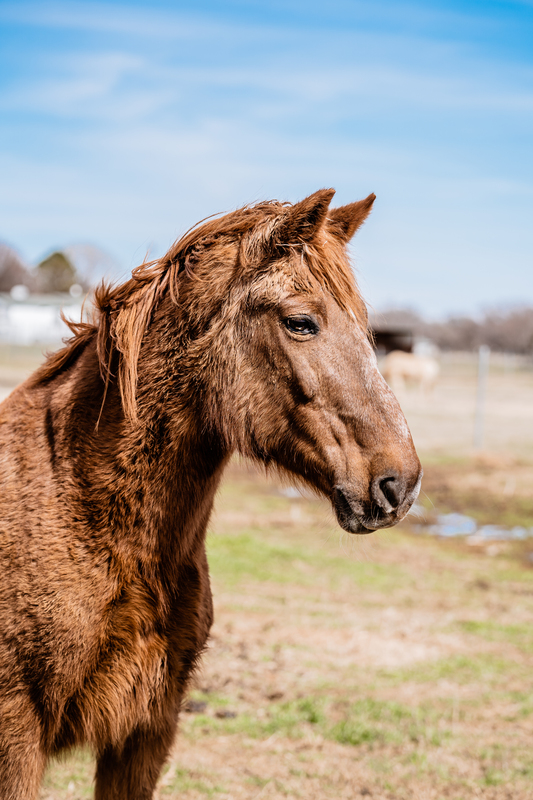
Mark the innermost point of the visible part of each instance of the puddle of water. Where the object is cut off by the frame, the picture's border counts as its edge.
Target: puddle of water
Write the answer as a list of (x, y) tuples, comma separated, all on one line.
[(450, 525), (453, 525)]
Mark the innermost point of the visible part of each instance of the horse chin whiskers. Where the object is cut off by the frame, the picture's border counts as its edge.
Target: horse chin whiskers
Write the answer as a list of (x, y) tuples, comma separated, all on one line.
[(356, 525), (349, 511)]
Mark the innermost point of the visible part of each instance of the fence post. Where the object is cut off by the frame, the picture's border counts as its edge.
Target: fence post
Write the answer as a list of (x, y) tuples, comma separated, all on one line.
[(482, 373)]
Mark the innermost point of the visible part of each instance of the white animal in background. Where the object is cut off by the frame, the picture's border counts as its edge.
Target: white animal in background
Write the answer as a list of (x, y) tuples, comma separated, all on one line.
[(402, 369)]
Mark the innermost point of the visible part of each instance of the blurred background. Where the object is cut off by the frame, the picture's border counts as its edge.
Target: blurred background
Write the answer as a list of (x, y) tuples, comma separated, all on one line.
[(123, 124)]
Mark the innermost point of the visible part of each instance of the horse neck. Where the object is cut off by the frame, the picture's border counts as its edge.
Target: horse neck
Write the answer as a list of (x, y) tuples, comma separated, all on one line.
[(149, 483)]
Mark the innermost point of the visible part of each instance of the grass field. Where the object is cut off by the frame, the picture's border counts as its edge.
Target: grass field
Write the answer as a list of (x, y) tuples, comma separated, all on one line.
[(388, 666)]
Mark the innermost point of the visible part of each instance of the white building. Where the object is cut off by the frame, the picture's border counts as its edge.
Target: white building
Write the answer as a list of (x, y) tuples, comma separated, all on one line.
[(35, 319)]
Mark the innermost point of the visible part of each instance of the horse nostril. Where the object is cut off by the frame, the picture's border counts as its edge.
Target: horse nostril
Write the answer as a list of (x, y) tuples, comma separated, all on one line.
[(388, 493), (391, 489)]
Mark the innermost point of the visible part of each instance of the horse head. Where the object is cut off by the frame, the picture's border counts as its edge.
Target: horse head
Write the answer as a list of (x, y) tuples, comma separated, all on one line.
[(283, 359)]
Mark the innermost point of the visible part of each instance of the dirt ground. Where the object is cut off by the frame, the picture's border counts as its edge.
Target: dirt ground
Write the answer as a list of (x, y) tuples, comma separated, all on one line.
[(395, 665)]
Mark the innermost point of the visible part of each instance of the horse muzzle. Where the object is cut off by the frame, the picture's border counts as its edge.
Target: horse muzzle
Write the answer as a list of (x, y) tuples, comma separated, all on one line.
[(390, 498)]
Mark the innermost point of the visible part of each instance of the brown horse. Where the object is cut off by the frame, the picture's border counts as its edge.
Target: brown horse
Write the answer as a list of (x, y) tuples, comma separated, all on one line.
[(249, 335)]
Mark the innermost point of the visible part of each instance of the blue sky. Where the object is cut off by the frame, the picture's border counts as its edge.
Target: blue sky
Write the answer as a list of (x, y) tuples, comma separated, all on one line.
[(122, 124)]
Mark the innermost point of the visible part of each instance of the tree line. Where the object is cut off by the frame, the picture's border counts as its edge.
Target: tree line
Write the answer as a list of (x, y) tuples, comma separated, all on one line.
[(508, 330)]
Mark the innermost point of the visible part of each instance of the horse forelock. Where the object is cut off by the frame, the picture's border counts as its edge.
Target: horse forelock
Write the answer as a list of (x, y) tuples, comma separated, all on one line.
[(122, 314), (330, 268)]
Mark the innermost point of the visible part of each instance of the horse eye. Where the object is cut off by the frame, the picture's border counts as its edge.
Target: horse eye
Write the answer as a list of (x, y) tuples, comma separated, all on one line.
[(300, 325)]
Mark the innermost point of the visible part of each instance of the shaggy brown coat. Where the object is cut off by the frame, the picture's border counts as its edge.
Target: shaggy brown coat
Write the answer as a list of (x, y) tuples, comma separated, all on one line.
[(249, 335)]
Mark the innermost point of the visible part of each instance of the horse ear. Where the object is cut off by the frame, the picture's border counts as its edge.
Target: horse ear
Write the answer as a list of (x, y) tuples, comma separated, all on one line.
[(345, 220), (303, 220)]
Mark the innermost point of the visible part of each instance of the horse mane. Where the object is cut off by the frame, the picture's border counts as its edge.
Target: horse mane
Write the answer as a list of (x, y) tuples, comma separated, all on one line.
[(121, 314)]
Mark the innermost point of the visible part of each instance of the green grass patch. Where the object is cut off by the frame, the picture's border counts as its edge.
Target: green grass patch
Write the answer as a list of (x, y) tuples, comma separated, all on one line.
[(507, 572), (369, 720), (482, 669), (524, 703), (502, 765), (72, 773), (250, 556), (520, 636), (364, 721), (290, 719), (184, 780)]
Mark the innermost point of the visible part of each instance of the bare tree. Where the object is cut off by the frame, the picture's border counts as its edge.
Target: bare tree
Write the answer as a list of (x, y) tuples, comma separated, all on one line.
[(13, 270), (505, 330)]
